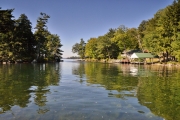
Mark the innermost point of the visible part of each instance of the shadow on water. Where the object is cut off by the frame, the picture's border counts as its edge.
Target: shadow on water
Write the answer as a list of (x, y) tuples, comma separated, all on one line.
[(20, 84)]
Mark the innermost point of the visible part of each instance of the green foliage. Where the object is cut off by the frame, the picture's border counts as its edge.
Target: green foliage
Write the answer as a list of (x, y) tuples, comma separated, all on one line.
[(159, 35), (91, 48), (41, 34), (126, 38), (6, 34), (17, 80), (142, 28), (53, 46), (24, 39), (102, 47), (120, 38), (19, 43), (79, 48)]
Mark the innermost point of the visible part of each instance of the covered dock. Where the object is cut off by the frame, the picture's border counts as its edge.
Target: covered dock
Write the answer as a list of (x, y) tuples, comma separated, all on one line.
[(139, 58)]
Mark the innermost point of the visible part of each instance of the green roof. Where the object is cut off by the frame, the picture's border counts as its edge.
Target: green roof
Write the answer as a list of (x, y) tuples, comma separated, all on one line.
[(142, 55)]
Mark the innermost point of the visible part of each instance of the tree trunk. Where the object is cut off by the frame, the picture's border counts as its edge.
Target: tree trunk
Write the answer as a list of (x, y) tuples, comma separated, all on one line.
[(163, 56), (167, 56)]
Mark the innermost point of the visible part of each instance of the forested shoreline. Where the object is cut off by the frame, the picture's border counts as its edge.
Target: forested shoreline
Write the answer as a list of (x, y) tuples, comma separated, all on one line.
[(159, 36), (19, 44)]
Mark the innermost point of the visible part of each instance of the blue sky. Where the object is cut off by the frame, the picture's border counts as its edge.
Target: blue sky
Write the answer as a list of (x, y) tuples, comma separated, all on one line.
[(76, 19)]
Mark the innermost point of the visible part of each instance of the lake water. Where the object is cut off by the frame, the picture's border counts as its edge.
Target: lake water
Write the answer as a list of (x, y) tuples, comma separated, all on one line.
[(73, 90)]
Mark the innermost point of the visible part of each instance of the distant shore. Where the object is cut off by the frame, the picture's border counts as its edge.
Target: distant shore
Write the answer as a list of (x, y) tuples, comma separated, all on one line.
[(169, 63)]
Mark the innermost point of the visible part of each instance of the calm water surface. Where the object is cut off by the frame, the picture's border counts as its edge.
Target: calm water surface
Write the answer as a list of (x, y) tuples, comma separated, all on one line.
[(74, 90)]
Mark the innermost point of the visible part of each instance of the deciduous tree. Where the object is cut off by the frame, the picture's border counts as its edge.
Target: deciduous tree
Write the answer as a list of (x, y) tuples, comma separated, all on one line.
[(79, 48)]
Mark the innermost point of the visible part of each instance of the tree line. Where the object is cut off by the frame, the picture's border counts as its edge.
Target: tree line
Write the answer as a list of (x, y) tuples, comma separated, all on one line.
[(159, 35), (19, 43)]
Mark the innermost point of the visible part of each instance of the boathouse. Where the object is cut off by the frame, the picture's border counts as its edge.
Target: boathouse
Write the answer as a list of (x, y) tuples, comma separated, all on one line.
[(141, 57)]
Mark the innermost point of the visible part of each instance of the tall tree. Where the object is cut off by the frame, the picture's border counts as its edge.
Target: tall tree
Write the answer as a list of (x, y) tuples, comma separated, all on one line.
[(104, 47), (79, 48), (142, 28), (132, 34), (41, 34), (162, 31), (141, 33), (6, 20), (165, 30), (91, 48), (120, 38), (125, 38), (152, 40), (113, 51), (24, 39), (6, 34), (174, 17), (53, 46)]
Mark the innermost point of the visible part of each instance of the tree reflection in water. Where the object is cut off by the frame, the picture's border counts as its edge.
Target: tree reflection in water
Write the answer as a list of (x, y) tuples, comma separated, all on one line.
[(20, 82), (156, 87), (89, 90)]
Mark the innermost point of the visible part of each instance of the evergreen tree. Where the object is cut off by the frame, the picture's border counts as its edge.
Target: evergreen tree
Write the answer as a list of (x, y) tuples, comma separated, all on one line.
[(24, 39), (40, 35), (6, 35), (53, 46)]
